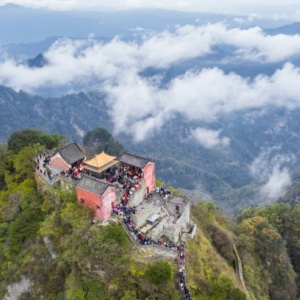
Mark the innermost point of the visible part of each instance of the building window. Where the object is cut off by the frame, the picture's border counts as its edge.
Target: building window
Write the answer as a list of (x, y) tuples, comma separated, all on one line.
[(82, 201)]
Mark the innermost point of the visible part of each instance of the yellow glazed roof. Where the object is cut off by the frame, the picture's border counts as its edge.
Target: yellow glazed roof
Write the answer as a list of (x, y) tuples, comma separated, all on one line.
[(101, 161)]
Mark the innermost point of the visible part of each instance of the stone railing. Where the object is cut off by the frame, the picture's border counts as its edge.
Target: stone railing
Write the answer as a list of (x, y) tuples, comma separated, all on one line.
[(46, 179), (56, 179)]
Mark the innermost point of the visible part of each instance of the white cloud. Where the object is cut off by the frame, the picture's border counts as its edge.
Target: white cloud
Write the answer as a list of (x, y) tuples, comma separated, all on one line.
[(140, 105), (261, 167), (277, 184), (209, 138), (269, 169), (76, 60), (73, 61), (204, 95)]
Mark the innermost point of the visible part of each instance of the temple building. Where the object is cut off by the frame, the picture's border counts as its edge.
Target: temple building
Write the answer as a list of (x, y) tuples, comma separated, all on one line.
[(67, 157), (98, 195), (100, 165), (140, 164)]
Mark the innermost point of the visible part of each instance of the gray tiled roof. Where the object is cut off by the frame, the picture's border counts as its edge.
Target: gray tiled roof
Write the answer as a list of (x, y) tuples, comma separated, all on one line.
[(134, 160), (71, 153), (93, 185)]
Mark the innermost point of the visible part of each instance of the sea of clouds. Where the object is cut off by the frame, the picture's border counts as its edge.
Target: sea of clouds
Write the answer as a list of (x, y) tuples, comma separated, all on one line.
[(141, 104)]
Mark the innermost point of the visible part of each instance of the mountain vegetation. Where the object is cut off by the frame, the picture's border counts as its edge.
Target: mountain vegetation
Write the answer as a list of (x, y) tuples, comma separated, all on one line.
[(50, 239), (100, 139)]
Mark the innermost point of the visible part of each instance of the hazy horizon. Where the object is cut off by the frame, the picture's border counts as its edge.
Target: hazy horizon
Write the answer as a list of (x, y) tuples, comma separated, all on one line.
[(277, 9)]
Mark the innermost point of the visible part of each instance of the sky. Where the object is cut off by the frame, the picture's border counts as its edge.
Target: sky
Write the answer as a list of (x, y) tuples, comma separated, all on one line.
[(258, 8)]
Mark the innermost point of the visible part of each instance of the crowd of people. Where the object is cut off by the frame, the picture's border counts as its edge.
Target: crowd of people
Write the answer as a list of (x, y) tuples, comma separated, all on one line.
[(182, 275), (163, 191), (128, 178), (43, 166), (74, 172), (125, 213), (123, 174)]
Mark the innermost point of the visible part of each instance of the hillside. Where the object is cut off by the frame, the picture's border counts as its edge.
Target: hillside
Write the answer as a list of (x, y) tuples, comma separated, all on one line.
[(48, 239)]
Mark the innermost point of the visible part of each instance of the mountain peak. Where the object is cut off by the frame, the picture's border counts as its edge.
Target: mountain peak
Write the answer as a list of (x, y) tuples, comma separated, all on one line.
[(12, 6)]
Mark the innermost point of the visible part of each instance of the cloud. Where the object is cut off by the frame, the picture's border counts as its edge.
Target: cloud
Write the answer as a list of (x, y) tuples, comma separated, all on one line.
[(201, 95), (209, 138), (270, 171), (142, 104), (73, 61), (277, 184), (261, 166)]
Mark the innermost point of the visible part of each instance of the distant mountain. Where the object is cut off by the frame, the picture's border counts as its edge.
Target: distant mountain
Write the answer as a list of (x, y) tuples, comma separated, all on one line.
[(25, 25), (38, 62), (289, 29), (67, 115), (23, 51), (39, 24)]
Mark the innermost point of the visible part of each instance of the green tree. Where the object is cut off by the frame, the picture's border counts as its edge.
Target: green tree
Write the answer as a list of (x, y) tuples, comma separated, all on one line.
[(130, 295), (99, 139), (74, 287), (223, 289), (28, 137), (204, 212), (95, 290), (159, 273), (3, 150)]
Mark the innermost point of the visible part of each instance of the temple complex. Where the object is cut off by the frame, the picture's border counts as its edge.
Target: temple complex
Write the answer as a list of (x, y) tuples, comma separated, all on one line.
[(124, 186)]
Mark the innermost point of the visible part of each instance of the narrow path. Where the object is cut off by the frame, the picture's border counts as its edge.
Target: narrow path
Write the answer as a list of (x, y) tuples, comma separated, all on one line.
[(170, 252), (239, 270)]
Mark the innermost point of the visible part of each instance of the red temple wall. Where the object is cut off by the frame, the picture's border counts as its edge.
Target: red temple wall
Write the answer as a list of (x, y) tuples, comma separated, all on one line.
[(149, 177), (101, 205), (59, 162), (91, 200), (108, 202)]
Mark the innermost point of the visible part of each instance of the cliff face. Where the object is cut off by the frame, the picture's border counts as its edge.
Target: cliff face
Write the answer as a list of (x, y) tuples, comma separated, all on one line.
[(15, 290)]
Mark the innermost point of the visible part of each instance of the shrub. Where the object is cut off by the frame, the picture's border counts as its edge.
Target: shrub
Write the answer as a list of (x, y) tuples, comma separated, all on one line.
[(159, 273)]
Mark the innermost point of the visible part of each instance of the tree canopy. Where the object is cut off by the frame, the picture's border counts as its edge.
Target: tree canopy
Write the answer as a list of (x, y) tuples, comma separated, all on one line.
[(27, 137), (100, 139)]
